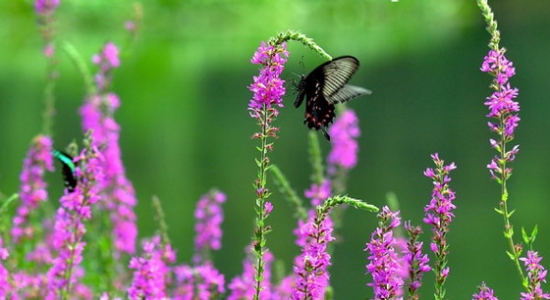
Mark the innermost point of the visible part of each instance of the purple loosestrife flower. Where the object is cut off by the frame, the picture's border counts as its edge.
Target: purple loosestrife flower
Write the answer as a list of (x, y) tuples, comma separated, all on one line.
[(310, 268), (97, 115), (384, 265), (284, 289), (503, 109), (536, 274), (242, 287), (439, 215), (107, 60), (43, 7), (209, 217), (485, 293), (344, 133), (268, 89), (33, 187), (319, 193), (202, 282), (5, 286), (417, 262), (69, 226), (151, 271)]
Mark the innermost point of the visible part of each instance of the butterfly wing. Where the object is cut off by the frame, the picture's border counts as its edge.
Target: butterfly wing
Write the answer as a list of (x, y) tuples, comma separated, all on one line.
[(348, 92), (69, 169), (337, 73)]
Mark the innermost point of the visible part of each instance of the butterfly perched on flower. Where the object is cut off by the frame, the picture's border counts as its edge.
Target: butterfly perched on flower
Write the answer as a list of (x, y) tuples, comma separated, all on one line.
[(69, 169), (325, 86)]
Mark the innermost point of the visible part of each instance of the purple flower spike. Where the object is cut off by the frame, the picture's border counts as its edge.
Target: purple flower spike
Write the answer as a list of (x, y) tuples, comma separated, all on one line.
[(43, 7), (209, 217), (384, 262), (503, 108), (33, 186), (5, 285), (310, 268), (416, 261), (319, 193), (485, 293), (97, 115), (268, 87), (536, 274), (439, 215), (344, 133), (69, 228), (150, 271)]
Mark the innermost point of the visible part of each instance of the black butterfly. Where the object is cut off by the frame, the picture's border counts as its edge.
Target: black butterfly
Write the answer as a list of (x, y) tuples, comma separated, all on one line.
[(69, 169), (325, 86)]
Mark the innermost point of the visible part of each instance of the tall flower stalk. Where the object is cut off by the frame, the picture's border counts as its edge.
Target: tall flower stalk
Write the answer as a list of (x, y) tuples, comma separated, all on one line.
[(503, 111), (439, 215), (268, 89), (69, 229), (384, 262), (98, 116), (45, 11)]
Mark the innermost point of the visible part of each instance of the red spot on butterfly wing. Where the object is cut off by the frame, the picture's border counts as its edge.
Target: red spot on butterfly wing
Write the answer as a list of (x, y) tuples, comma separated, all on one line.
[(319, 113)]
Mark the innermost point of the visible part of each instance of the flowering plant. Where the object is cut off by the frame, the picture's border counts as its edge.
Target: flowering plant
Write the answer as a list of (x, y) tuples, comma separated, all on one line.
[(87, 247)]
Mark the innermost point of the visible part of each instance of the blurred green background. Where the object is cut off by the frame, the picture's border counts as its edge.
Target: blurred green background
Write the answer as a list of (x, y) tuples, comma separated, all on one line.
[(185, 128)]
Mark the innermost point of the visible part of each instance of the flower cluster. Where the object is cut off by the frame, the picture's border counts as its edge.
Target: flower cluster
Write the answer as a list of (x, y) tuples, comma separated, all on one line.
[(33, 187), (310, 268), (209, 217), (536, 274), (69, 226), (417, 262), (485, 293), (97, 115), (151, 270), (439, 215), (504, 109), (107, 60), (199, 282), (318, 193), (384, 265), (44, 7), (4, 283), (344, 133), (268, 87)]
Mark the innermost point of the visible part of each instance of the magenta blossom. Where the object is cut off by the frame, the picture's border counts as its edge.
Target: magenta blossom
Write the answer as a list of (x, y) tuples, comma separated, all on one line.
[(319, 193), (385, 265), (45, 6), (439, 215), (344, 133), (268, 87), (33, 186), (310, 268), (503, 108), (209, 217), (485, 293), (536, 274), (151, 270)]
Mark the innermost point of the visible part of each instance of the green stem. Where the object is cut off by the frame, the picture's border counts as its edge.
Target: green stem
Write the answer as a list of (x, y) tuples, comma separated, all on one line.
[(263, 164), (508, 227)]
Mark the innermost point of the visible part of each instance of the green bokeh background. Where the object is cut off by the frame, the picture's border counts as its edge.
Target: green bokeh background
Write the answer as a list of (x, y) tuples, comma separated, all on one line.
[(185, 127)]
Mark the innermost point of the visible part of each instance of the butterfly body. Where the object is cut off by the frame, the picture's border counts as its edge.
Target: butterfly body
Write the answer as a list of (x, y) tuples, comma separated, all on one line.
[(325, 86), (69, 169)]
